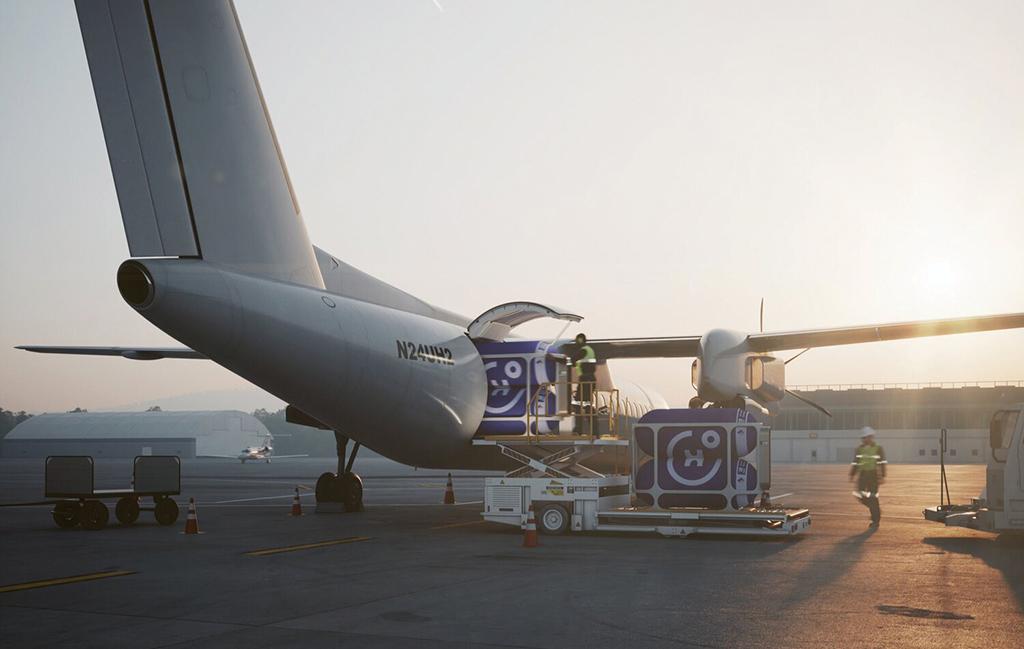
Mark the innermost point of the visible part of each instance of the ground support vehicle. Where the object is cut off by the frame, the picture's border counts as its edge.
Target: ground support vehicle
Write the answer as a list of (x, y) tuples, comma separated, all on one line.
[(566, 494), (70, 478), (1000, 508)]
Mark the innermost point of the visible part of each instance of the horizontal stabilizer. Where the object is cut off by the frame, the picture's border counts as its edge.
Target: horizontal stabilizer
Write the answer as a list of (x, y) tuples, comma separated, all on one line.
[(134, 353), (769, 342)]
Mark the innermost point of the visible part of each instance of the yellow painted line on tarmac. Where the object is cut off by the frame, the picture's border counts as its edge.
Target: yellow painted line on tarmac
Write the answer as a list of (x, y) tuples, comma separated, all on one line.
[(463, 524), (43, 583), (306, 546)]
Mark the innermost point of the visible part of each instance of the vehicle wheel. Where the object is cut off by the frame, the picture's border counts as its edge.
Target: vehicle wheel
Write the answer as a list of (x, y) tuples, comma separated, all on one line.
[(243, 461), (352, 492), (66, 514), (325, 488), (553, 519), (166, 511), (94, 515), (127, 510)]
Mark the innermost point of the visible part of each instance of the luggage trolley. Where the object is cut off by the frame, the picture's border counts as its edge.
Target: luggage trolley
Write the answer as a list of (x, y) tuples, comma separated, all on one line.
[(70, 478)]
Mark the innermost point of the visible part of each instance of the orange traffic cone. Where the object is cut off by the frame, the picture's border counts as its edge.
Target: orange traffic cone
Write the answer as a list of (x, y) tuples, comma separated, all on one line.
[(530, 531), (192, 523), (296, 505), (449, 492)]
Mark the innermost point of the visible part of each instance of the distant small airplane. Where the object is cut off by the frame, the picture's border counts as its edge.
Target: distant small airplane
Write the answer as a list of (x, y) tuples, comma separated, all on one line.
[(263, 451)]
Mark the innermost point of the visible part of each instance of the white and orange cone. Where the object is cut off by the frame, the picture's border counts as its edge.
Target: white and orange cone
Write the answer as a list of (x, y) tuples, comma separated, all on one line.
[(449, 492), (192, 522), (530, 530), (296, 504)]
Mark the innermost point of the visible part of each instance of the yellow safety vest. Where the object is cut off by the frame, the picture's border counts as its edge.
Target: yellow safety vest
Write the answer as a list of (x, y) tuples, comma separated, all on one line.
[(869, 457), (589, 357)]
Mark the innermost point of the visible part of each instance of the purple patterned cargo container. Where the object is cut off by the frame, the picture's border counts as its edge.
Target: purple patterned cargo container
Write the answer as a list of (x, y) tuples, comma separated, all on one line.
[(697, 458), (515, 369)]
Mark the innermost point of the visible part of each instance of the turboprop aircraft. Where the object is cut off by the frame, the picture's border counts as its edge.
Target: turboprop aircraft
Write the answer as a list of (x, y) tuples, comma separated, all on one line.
[(221, 261)]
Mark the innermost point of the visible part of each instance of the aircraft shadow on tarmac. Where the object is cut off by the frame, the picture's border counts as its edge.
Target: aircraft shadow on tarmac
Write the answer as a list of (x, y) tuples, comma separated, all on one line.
[(1004, 553)]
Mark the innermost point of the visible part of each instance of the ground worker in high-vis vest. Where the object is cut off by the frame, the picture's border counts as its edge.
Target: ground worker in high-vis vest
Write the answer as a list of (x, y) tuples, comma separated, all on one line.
[(586, 375), (869, 467)]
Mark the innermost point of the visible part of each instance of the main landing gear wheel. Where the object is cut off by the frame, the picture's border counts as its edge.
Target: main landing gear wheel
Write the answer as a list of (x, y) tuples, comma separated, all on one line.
[(325, 489), (94, 515), (554, 519), (347, 490), (166, 511), (352, 492), (127, 510), (66, 515)]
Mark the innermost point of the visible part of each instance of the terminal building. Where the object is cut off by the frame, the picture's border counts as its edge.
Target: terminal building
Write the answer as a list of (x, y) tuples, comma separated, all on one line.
[(128, 434), (908, 419)]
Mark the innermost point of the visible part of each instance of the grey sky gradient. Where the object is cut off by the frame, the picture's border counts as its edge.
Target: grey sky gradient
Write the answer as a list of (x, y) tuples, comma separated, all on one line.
[(849, 162)]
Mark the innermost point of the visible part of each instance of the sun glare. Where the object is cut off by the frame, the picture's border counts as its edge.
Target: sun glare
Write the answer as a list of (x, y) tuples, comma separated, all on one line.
[(939, 276)]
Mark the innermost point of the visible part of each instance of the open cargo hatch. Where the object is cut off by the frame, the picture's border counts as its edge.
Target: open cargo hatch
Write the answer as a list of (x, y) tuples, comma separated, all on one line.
[(495, 323)]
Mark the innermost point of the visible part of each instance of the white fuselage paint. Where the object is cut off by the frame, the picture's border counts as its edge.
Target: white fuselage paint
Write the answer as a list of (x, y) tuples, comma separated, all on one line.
[(345, 362)]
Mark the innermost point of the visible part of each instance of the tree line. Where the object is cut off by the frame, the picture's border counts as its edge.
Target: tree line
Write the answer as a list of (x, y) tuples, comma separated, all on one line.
[(9, 419)]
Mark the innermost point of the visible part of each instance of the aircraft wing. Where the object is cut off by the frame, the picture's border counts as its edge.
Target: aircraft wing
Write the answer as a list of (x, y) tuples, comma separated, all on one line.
[(689, 346), (670, 347), (768, 342), (134, 353)]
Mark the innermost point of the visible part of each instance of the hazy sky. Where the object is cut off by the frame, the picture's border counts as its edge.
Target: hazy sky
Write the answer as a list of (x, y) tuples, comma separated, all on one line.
[(850, 162)]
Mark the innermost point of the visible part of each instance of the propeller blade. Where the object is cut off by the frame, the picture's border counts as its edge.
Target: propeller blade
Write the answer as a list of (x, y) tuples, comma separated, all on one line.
[(796, 395), (797, 356), (762, 315)]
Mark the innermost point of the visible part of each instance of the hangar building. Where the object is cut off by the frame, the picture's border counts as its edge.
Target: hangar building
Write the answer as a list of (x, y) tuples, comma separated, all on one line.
[(908, 418), (126, 434)]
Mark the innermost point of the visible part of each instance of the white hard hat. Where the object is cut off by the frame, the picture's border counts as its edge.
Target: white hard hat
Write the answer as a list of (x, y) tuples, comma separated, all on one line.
[(866, 432)]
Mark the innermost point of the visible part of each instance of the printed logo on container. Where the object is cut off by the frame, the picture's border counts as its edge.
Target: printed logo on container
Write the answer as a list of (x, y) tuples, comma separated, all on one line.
[(694, 458)]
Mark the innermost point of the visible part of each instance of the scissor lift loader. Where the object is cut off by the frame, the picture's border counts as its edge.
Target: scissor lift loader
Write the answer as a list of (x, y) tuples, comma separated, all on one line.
[(556, 477)]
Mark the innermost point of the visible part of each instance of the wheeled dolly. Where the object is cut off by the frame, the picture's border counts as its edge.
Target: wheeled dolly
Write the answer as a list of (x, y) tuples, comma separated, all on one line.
[(70, 479)]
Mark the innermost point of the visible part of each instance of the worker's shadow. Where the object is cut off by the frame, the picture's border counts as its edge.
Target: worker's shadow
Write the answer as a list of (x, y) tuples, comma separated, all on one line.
[(1004, 553), (821, 571)]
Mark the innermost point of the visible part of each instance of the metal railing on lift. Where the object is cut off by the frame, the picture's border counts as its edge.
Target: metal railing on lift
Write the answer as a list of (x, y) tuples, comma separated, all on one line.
[(603, 404)]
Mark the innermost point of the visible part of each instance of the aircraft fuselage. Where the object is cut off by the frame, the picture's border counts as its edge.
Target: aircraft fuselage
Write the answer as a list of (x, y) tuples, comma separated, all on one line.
[(410, 387)]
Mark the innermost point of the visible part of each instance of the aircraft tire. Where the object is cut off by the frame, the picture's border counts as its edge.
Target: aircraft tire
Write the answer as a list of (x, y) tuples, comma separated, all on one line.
[(127, 510), (352, 492), (66, 515), (325, 488), (94, 515), (166, 511)]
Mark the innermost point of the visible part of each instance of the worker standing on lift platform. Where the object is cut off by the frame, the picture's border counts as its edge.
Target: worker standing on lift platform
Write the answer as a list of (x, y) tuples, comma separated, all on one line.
[(869, 467), (586, 375)]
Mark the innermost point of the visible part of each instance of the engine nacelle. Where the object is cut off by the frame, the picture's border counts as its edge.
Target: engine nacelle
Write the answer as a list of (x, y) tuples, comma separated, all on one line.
[(765, 377), (726, 369)]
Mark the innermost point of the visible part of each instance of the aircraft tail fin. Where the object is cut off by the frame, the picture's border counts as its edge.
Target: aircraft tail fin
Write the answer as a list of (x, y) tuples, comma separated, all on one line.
[(195, 160)]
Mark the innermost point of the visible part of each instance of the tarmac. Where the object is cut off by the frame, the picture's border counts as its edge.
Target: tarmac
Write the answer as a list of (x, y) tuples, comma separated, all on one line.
[(411, 572)]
